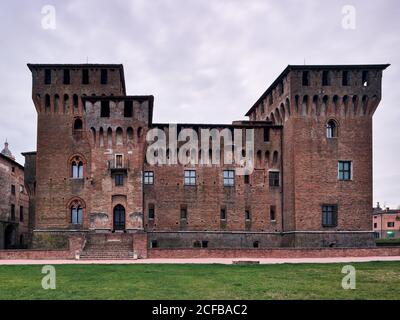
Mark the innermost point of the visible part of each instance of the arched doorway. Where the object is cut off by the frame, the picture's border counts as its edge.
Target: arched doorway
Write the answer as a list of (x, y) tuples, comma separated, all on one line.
[(119, 217), (9, 235)]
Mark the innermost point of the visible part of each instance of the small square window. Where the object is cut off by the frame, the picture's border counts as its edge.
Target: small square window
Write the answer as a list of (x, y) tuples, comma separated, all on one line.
[(274, 179), (153, 244), (204, 244), (119, 180), (344, 170), (148, 177), (329, 215), (190, 178), (390, 224), (229, 178)]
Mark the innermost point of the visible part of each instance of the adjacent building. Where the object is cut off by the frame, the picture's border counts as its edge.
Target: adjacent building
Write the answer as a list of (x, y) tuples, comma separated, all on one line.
[(14, 203), (386, 222)]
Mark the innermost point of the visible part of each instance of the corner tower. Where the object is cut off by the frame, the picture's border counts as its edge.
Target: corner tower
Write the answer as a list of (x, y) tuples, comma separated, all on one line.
[(326, 113)]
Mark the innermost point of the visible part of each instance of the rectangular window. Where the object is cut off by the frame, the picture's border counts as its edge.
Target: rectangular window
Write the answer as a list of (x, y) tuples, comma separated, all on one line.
[(375, 225), (13, 190), (204, 244), (190, 178), (148, 177), (76, 215), (247, 215), (325, 78), (21, 188), (272, 213), (390, 224), (105, 109), (246, 179), (119, 161), (85, 76), (365, 79), (229, 178), (47, 76), (67, 77), (153, 244), (21, 213), (151, 212), (128, 109), (274, 179), (104, 76), (266, 135), (345, 78), (12, 212), (329, 215), (306, 78), (183, 213), (223, 214), (119, 180), (344, 170)]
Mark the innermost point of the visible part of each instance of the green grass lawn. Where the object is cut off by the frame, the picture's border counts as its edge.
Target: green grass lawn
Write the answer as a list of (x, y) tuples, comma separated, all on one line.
[(375, 280)]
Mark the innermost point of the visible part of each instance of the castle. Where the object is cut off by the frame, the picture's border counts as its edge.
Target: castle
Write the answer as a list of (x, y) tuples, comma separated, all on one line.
[(311, 185)]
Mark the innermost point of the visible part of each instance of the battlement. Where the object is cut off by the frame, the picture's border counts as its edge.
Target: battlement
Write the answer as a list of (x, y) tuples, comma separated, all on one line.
[(317, 90)]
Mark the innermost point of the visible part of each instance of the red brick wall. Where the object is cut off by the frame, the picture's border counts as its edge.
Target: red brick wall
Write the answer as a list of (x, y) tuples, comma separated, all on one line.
[(271, 253)]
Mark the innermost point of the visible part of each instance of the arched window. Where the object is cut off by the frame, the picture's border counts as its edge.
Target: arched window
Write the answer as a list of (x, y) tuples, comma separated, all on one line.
[(47, 103), (66, 104), (119, 136), (77, 168), (56, 103), (78, 125), (331, 129), (76, 214), (75, 103)]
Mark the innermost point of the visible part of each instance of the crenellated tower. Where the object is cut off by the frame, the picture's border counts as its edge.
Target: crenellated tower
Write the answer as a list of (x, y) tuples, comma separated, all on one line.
[(326, 113)]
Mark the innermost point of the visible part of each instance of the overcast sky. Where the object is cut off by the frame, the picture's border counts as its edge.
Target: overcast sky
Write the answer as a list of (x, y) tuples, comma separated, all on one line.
[(203, 60)]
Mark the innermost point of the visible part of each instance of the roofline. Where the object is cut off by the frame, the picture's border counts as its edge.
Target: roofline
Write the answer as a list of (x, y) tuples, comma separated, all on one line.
[(313, 67), (31, 66), (251, 124), (29, 153), (12, 161), (137, 97)]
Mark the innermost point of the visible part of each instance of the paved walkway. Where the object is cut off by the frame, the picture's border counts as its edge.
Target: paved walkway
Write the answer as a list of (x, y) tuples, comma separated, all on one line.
[(200, 261)]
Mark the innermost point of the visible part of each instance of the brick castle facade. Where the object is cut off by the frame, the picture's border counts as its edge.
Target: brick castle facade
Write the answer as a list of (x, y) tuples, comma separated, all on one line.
[(311, 185)]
